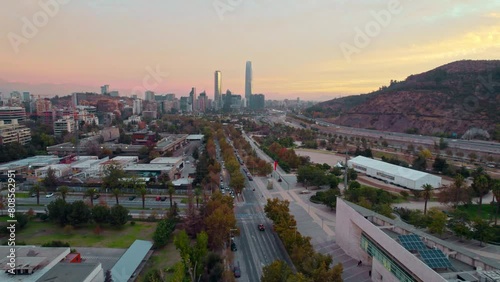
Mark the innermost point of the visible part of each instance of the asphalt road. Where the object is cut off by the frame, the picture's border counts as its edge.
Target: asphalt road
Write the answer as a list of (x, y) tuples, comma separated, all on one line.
[(255, 248), (110, 201), (470, 145)]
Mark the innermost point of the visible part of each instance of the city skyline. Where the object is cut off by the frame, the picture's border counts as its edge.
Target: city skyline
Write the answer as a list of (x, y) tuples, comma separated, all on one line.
[(316, 50)]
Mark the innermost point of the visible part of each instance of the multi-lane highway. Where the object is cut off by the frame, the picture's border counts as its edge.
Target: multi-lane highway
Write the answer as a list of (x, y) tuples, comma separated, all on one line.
[(467, 145), (255, 248)]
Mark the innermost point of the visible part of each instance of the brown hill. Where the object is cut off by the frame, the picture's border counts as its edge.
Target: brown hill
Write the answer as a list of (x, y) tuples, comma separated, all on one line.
[(449, 99)]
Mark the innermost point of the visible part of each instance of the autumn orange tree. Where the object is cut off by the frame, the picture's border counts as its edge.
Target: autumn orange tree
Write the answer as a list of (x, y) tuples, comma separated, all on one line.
[(219, 220), (312, 265)]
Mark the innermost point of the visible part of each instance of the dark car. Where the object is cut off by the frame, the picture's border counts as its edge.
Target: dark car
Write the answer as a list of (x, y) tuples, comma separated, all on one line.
[(163, 199), (131, 198), (262, 227), (233, 247), (237, 272)]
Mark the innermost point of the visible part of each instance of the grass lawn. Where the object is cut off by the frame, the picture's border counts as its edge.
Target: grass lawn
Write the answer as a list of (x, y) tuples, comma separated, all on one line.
[(22, 195), (37, 233), (162, 258), (379, 154), (487, 211)]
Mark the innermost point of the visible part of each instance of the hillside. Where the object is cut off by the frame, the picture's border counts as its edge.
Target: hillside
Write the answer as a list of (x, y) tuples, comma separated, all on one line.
[(449, 99)]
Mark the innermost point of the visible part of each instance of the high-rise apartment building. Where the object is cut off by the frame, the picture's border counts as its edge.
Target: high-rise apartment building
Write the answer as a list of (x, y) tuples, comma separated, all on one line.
[(149, 96), (192, 100), (105, 89), (218, 90), (14, 132), (137, 107), (8, 114), (248, 82), (202, 102), (64, 125)]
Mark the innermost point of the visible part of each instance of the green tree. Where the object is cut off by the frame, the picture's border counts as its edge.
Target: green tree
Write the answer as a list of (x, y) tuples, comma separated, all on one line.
[(36, 189), (438, 221), (456, 193), (64, 190), (118, 216), (58, 211), (50, 181), (163, 231), (482, 230), (112, 179), (481, 186), (91, 192), (100, 214), (80, 213), (496, 193), (116, 192), (171, 191), (427, 195)]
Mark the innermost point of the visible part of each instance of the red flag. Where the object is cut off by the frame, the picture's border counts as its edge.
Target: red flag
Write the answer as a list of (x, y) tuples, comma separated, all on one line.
[(275, 164)]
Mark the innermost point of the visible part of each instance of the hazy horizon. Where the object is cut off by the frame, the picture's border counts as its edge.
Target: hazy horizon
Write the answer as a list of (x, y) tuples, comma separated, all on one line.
[(314, 49)]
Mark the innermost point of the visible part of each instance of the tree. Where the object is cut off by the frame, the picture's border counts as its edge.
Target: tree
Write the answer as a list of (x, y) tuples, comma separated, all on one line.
[(438, 221), (192, 255), (80, 213), (142, 192), (481, 186), (440, 164), (427, 195), (456, 193), (64, 190), (36, 189), (171, 191), (91, 192), (164, 229), (118, 215), (482, 230), (113, 174), (59, 211), (50, 181), (116, 192), (100, 214), (496, 193), (197, 193), (352, 174), (278, 270)]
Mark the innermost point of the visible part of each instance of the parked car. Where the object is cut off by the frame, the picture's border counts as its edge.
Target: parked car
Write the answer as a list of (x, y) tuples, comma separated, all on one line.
[(262, 227), (33, 195), (96, 196), (163, 199), (49, 195), (233, 247), (131, 198)]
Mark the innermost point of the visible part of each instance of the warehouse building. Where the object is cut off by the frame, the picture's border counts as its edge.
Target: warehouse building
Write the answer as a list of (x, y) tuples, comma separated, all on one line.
[(397, 175)]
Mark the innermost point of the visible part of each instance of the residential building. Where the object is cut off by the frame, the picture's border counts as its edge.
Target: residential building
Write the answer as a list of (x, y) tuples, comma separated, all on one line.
[(14, 132), (105, 89), (64, 125), (149, 96), (43, 105), (8, 114), (202, 102), (137, 107), (26, 96)]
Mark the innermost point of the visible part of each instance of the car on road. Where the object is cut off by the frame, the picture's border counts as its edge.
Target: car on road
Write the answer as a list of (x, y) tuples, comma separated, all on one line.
[(33, 195), (305, 192), (233, 247), (262, 227), (96, 196), (49, 195), (163, 199), (131, 198), (237, 272)]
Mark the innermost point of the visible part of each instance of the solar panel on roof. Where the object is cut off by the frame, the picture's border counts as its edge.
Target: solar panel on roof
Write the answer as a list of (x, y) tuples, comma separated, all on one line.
[(435, 259), (412, 242)]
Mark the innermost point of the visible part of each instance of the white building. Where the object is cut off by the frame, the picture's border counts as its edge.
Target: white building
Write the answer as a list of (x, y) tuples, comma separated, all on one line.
[(134, 119), (397, 251), (60, 170), (172, 162), (137, 107), (64, 125), (397, 175)]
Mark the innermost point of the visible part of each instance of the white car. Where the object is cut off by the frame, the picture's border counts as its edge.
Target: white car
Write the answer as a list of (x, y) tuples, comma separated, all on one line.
[(49, 195)]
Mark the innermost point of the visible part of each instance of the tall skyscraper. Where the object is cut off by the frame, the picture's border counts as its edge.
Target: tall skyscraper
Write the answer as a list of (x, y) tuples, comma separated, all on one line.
[(248, 82), (192, 100), (149, 96), (104, 89), (218, 90)]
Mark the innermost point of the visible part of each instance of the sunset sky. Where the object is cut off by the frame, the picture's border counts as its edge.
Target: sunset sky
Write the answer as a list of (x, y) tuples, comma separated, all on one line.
[(296, 46)]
